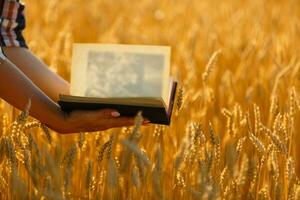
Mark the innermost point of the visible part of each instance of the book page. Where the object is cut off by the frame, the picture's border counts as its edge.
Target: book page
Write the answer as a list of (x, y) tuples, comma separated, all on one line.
[(166, 96), (100, 70)]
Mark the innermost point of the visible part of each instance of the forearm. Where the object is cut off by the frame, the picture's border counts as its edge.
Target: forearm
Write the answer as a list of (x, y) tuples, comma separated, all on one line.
[(37, 71), (17, 89)]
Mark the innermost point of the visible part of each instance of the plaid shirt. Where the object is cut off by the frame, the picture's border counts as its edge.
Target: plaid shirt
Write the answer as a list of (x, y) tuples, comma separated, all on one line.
[(12, 23)]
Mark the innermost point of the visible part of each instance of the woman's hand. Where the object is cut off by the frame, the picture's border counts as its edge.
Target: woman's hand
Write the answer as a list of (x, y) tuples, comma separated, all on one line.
[(89, 121), (17, 89)]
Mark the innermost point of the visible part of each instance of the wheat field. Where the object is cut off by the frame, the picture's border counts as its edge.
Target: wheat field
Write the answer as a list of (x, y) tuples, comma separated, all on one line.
[(234, 131)]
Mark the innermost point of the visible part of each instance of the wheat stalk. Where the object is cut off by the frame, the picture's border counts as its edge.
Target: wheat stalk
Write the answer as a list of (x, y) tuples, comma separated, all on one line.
[(210, 65)]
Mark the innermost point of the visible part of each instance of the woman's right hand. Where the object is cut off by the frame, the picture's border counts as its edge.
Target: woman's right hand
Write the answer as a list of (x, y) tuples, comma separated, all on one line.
[(89, 121)]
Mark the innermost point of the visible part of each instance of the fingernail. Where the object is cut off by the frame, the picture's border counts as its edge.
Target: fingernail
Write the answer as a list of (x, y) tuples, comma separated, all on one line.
[(146, 121), (115, 114)]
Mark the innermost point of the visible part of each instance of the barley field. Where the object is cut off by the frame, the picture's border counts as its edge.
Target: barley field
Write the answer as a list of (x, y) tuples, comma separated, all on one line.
[(234, 131)]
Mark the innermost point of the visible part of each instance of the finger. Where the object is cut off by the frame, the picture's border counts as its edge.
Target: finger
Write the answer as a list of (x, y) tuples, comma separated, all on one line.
[(146, 121), (105, 124), (119, 122), (106, 113)]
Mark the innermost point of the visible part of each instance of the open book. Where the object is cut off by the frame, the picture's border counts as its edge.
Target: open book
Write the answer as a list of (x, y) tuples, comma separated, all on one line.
[(128, 78)]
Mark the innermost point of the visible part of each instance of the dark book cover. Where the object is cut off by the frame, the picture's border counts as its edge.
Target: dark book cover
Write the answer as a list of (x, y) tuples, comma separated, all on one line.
[(156, 115)]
